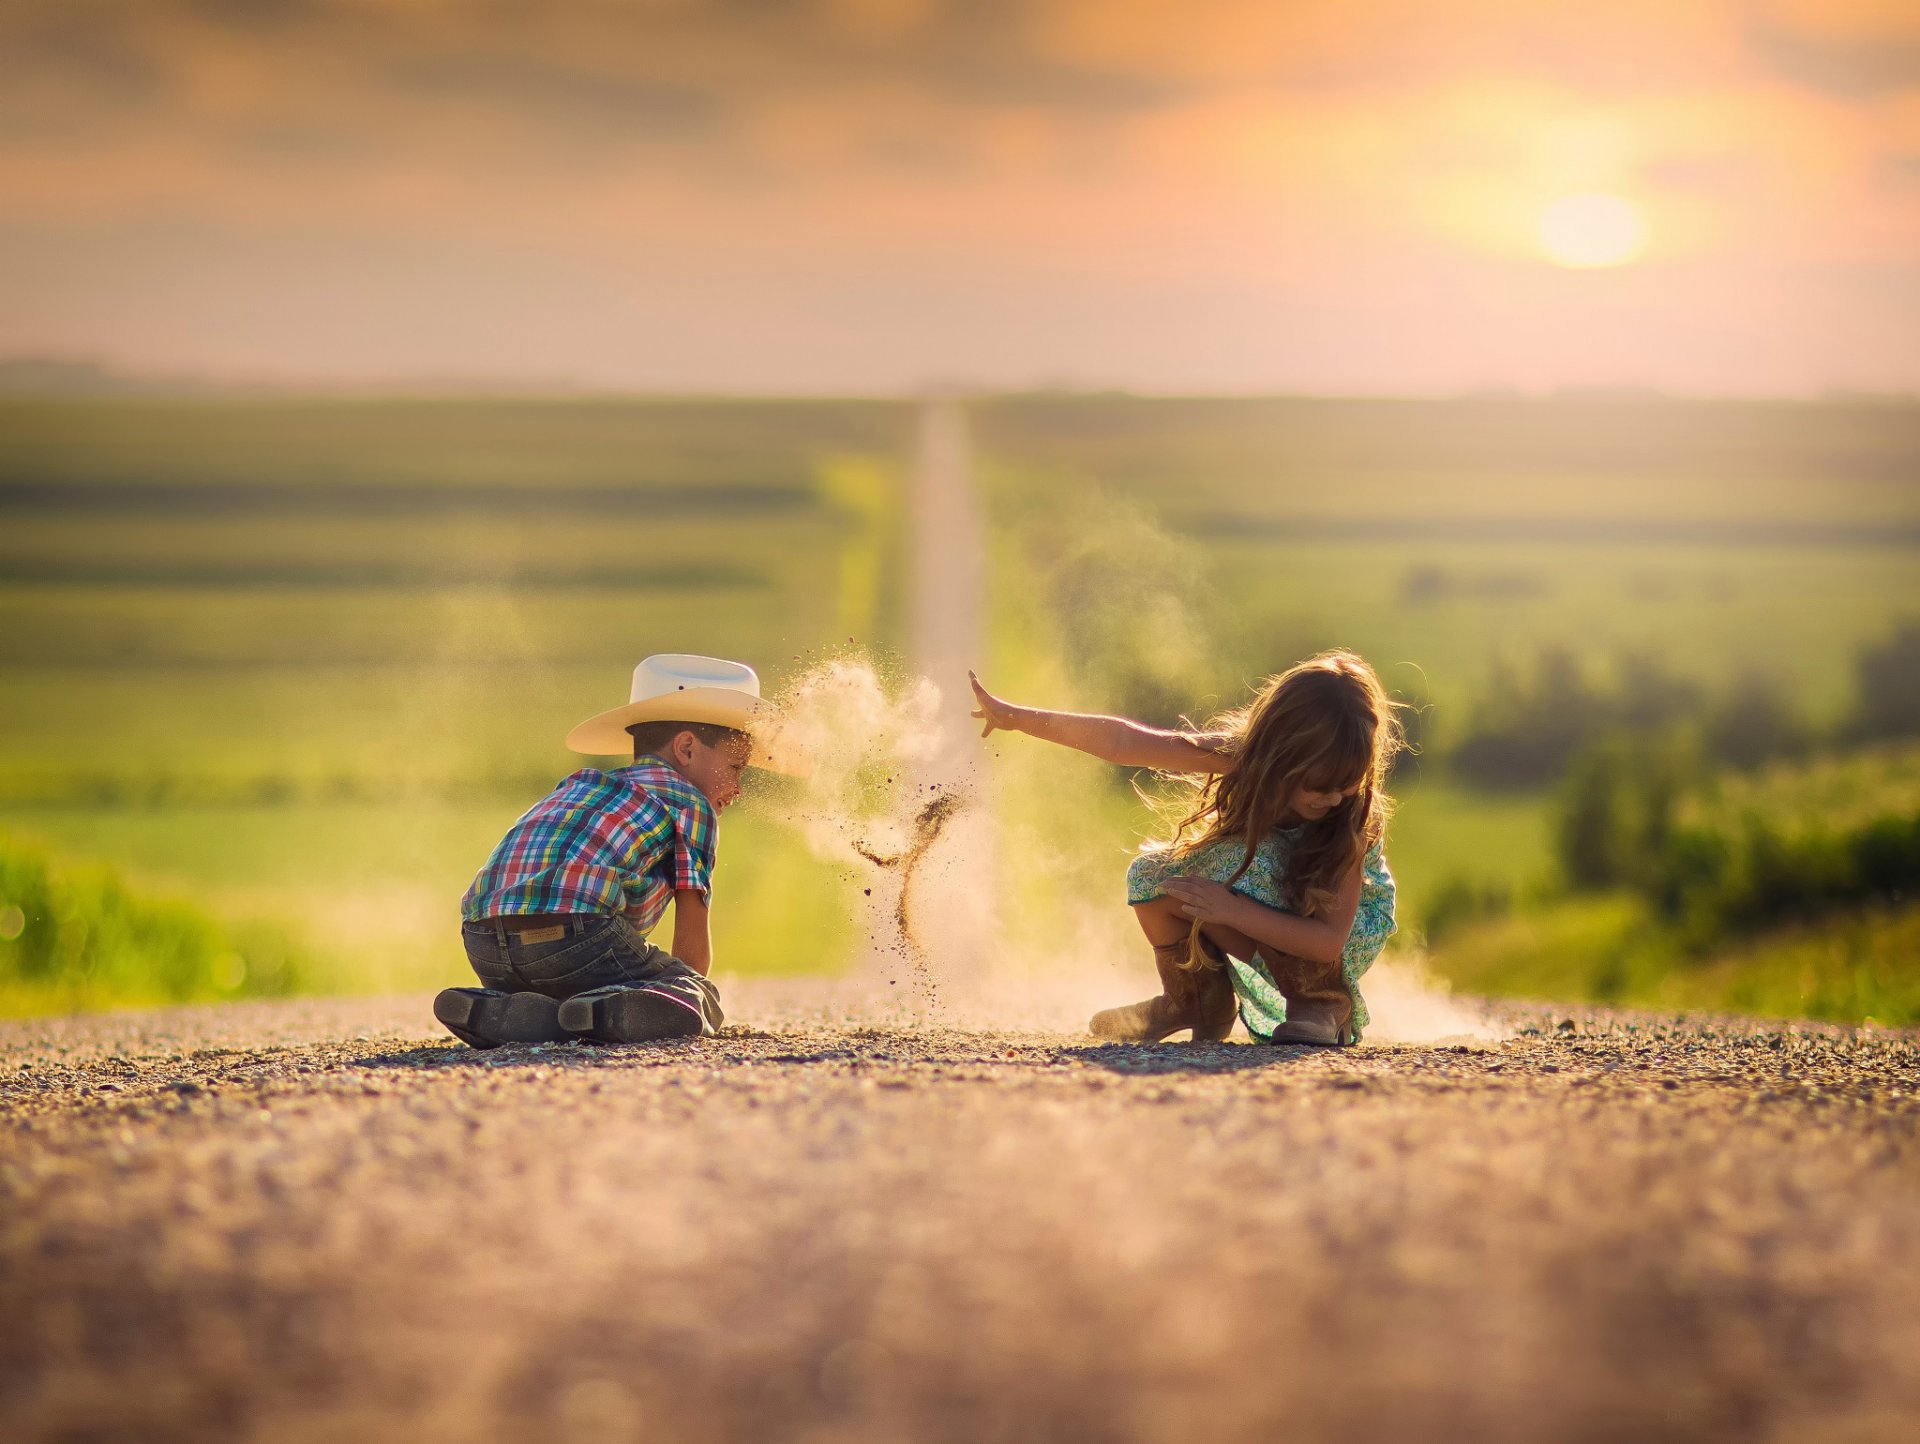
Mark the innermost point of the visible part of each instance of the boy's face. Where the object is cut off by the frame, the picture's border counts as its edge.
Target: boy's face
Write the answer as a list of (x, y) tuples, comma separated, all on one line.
[(716, 771)]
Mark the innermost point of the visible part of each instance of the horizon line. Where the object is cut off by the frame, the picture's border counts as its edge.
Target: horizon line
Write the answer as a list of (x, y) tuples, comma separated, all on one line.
[(54, 376)]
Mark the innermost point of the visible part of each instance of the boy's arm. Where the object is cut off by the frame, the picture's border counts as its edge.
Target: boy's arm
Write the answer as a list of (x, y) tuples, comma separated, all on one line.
[(1118, 740), (1321, 938), (692, 938)]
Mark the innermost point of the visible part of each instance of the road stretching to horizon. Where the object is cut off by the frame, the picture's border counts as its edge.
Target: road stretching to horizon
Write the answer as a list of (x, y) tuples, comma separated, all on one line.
[(323, 1220)]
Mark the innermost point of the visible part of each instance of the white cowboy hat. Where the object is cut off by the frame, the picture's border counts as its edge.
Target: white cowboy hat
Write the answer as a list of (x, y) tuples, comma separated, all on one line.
[(678, 687)]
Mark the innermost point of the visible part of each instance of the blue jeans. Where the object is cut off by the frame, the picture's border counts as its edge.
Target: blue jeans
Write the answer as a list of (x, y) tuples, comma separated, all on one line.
[(596, 951)]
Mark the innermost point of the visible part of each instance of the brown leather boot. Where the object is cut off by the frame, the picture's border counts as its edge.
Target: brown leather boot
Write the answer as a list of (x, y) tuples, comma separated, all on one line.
[(1319, 1008), (1199, 998)]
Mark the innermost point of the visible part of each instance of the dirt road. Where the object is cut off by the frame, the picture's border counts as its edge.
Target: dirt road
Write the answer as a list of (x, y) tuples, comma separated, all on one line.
[(317, 1221)]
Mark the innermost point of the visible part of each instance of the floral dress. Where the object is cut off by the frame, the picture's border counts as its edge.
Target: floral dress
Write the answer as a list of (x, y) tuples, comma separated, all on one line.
[(1262, 1008)]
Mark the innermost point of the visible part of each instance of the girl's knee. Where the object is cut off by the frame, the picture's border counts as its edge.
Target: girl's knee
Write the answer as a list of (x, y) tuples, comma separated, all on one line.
[(1160, 920), (1230, 941)]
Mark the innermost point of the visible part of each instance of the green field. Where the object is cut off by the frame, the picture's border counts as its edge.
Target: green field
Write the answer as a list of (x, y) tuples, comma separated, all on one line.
[(298, 663), (1442, 538), (1175, 551), (306, 661)]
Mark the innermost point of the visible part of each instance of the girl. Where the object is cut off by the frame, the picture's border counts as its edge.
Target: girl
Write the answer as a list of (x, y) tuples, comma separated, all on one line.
[(1274, 889)]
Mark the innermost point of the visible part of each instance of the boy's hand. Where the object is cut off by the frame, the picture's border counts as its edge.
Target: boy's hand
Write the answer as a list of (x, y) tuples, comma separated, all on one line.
[(1205, 901), (998, 715), (692, 935)]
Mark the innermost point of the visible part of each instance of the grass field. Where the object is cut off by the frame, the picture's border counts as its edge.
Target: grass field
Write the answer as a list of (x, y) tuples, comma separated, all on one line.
[(1626, 469), (304, 660), (1440, 538), (1862, 966), (1714, 543)]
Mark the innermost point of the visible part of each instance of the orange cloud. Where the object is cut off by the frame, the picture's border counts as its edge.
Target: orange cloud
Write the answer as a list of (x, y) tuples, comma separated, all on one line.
[(915, 187)]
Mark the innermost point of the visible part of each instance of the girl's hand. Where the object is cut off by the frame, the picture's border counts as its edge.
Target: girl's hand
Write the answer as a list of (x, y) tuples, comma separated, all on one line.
[(999, 716), (1204, 901)]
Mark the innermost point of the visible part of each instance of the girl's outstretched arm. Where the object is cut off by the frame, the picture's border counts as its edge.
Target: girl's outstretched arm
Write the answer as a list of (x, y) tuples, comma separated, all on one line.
[(1118, 740)]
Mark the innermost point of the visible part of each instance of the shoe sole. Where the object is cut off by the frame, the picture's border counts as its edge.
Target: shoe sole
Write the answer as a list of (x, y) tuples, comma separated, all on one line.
[(1316, 1039), (629, 1015), (1111, 1025), (484, 1018)]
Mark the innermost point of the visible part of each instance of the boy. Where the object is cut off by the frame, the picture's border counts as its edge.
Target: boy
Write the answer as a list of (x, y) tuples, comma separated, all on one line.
[(555, 923)]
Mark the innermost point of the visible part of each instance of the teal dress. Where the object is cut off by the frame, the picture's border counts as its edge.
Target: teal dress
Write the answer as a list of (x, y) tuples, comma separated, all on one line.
[(1262, 1008)]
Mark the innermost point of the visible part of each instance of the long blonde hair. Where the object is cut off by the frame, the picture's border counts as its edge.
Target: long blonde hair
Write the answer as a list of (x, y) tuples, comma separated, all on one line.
[(1327, 724)]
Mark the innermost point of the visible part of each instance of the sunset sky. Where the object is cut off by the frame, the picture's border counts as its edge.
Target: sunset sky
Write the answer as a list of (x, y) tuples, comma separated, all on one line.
[(1717, 196)]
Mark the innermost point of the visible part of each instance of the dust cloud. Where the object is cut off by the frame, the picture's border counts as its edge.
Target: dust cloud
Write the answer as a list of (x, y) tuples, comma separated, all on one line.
[(920, 846), (1410, 1005), (904, 807)]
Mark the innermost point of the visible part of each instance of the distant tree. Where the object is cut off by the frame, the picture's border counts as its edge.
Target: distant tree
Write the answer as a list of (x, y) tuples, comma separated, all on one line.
[(1616, 811), (1651, 697), (1890, 686), (1752, 724), (1528, 728)]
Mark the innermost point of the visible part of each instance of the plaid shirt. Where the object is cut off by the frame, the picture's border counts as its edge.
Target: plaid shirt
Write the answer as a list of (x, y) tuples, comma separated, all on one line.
[(602, 842)]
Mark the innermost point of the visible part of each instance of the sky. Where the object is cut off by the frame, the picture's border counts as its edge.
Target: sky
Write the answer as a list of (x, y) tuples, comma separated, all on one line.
[(1369, 196)]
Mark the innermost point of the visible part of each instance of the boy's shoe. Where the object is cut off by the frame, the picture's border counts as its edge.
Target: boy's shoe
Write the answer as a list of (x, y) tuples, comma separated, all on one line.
[(629, 1015), (486, 1017)]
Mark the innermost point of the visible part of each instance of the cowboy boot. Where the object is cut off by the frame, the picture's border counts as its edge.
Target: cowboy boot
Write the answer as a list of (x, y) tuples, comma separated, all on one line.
[(1216, 1007), (1319, 1008), (1199, 998)]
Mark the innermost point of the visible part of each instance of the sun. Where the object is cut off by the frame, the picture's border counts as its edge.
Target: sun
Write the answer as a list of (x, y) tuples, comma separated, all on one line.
[(1592, 229)]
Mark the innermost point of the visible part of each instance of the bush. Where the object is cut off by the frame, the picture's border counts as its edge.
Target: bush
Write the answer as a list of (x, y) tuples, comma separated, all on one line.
[(1458, 901), (75, 935), (1616, 812), (1716, 880), (1727, 874)]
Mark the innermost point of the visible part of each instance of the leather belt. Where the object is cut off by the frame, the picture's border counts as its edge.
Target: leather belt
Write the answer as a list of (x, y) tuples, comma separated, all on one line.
[(538, 927)]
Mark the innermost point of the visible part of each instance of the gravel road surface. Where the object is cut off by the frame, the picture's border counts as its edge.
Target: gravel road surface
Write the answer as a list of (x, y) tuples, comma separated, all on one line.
[(318, 1221)]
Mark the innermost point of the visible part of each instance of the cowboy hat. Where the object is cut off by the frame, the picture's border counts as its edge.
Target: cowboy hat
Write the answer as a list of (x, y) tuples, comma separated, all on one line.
[(678, 687)]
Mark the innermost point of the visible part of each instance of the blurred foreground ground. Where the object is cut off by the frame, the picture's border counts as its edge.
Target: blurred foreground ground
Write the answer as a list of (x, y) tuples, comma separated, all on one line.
[(318, 1221)]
